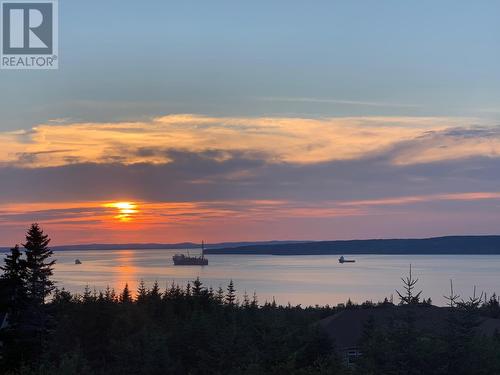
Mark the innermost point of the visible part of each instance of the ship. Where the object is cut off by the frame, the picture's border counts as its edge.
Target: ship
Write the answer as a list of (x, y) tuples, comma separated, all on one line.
[(344, 260), (187, 260)]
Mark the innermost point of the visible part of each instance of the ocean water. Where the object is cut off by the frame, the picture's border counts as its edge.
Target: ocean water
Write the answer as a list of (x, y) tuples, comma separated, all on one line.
[(305, 280)]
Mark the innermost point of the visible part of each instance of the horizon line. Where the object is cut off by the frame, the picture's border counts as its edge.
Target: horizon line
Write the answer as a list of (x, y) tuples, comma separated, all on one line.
[(3, 247)]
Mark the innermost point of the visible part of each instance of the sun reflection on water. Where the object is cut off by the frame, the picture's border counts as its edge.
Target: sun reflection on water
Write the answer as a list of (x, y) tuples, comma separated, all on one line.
[(125, 269)]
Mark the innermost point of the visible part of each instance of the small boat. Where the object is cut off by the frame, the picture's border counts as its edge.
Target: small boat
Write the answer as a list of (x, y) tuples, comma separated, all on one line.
[(187, 260), (344, 260), (77, 261)]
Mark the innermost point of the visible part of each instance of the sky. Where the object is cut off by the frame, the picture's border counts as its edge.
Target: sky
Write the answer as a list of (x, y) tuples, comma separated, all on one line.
[(173, 121)]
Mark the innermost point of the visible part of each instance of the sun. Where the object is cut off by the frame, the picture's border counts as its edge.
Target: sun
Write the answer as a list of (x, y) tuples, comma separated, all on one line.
[(126, 210)]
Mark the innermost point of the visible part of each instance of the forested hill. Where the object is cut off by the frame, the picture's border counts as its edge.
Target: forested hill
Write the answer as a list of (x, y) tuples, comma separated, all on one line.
[(436, 245)]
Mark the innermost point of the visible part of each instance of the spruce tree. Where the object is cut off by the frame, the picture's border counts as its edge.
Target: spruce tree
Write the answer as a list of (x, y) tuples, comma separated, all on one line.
[(13, 266), (36, 319), (109, 295), (246, 300), (126, 296), (197, 287), (13, 301), (453, 297), (231, 294), (38, 265), (87, 295), (408, 297), (14, 281), (155, 293), (255, 302), (219, 296), (142, 292)]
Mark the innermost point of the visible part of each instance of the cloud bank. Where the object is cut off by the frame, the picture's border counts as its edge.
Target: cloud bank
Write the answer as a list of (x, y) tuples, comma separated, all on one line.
[(277, 140), (269, 177)]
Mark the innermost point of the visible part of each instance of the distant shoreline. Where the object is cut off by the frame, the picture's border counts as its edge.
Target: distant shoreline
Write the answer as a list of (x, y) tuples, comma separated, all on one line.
[(446, 245), (159, 246), (449, 245)]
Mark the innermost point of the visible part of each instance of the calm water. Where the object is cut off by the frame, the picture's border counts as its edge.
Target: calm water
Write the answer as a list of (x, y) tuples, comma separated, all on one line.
[(305, 280)]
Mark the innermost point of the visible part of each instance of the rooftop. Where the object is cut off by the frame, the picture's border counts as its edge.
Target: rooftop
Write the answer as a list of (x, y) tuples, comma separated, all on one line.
[(345, 328)]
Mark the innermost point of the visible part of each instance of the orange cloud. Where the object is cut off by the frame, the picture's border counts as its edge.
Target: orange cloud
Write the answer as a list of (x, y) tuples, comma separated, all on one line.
[(104, 221), (474, 196), (281, 140)]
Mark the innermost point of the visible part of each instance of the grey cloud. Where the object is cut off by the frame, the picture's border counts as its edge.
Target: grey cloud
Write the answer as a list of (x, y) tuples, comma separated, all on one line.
[(26, 158), (52, 214), (472, 132), (207, 176)]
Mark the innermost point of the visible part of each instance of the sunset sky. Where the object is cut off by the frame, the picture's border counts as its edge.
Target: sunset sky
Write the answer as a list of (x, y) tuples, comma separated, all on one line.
[(229, 121)]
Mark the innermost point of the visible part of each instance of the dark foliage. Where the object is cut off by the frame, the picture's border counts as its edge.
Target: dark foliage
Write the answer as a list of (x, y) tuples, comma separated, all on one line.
[(13, 280), (38, 265), (28, 284), (400, 348), (182, 333), (196, 330), (409, 297)]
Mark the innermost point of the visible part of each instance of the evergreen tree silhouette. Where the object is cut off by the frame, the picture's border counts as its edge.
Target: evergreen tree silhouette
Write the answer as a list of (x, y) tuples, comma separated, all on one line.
[(274, 305), (197, 287), (126, 296), (169, 292), (14, 281), (35, 320), (231, 294), (109, 294), (246, 300), (87, 295), (13, 294), (470, 314), (492, 307), (38, 266), (142, 292), (255, 302), (155, 293), (219, 296), (452, 298), (408, 297)]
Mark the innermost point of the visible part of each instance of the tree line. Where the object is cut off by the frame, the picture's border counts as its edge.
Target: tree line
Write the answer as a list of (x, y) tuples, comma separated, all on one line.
[(453, 346), (194, 329), (187, 329)]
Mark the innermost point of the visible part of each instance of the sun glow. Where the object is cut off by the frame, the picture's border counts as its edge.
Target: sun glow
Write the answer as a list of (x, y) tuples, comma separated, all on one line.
[(126, 210)]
